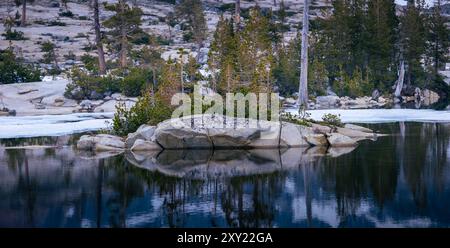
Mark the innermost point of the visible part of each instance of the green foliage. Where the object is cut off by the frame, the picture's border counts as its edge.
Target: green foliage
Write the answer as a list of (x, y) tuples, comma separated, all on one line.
[(332, 120), (12, 70), (243, 59), (67, 13), (56, 23), (90, 63), (136, 81), (147, 110), (354, 85), (288, 117), (83, 84), (14, 35), (191, 11), (124, 27)]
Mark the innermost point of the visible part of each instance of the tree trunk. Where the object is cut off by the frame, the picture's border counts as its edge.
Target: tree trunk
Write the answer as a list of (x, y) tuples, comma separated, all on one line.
[(181, 76), (401, 78), (303, 87), (237, 13), (123, 37), (98, 40), (23, 22)]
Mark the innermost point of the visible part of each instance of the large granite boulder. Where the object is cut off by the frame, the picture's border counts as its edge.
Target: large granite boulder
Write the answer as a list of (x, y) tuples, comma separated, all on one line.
[(208, 131), (180, 134), (316, 139), (339, 140), (144, 132), (145, 145)]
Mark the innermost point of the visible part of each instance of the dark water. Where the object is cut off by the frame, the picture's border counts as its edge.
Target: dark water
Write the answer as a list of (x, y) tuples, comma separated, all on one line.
[(402, 180)]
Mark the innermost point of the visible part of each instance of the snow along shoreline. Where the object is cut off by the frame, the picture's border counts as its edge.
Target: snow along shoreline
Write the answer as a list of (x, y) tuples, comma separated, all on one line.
[(56, 125), (381, 115), (52, 125)]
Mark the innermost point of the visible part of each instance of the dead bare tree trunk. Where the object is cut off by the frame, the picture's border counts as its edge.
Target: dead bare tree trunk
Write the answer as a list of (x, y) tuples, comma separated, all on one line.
[(23, 21), (98, 40), (303, 87), (123, 36), (401, 79)]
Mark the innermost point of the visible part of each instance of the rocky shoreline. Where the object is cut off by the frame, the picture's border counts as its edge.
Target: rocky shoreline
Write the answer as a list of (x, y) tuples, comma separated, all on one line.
[(203, 132)]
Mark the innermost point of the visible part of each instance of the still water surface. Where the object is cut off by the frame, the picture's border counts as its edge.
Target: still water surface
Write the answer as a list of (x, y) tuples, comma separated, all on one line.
[(402, 180)]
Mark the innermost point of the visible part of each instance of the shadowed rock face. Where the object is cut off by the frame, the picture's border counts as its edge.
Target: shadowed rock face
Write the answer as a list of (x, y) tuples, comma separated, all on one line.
[(204, 164)]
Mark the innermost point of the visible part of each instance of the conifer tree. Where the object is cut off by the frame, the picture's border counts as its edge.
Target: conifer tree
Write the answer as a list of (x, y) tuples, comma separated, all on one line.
[(382, 27), (438, 36), (192, 12), (413, 42), (124, 25)]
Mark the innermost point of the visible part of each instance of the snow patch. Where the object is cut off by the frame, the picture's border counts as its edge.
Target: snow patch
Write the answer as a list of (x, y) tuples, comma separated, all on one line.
[(381, 115), (52, 125)]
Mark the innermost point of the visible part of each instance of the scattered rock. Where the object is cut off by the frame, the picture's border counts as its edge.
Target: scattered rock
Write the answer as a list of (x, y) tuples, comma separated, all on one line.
[(429, 97), (86, 105), (290, 101), (327, 100), (95, 95)]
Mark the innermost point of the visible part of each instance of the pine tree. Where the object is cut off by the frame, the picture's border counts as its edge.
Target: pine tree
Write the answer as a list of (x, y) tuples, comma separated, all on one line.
[(124, 25), (438, 36), (413, 42), (382, 26), (192, 12), (168, 82)]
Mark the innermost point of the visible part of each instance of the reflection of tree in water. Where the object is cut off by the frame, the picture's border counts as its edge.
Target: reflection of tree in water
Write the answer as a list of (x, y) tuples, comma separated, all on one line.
[(427, 158), (257, 211), (125, 186), (26, 186)]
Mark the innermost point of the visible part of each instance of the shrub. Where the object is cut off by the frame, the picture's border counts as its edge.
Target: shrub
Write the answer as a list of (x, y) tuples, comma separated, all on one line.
[(83, 85), (332, 120), (67, 13), (135, 81), (13, 35), (56, 23), (90, 62), (13, 71), (147, 110), (288, 117)]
